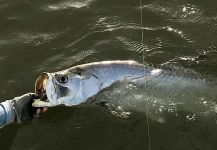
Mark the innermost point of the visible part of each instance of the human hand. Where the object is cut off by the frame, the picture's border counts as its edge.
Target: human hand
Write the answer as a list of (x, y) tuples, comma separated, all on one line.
[(23, 107)]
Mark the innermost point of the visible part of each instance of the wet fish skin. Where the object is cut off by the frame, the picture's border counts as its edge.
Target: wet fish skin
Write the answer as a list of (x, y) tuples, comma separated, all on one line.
[(85, 81)]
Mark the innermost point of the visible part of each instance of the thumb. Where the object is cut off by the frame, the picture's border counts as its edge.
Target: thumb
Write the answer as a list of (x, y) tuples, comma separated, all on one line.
[(22, 106)]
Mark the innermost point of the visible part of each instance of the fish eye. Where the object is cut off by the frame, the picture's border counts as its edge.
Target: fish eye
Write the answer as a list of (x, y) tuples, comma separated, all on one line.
[(63, 79)]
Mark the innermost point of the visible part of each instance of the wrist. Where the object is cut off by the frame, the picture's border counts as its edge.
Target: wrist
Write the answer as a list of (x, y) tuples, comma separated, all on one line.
[(17, 112), (10, 114)]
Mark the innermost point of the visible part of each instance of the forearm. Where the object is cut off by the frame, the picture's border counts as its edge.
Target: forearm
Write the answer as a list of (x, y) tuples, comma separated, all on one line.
[(7, 114)]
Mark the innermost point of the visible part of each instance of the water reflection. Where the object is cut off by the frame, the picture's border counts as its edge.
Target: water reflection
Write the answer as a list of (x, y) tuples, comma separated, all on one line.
[(68, 5)]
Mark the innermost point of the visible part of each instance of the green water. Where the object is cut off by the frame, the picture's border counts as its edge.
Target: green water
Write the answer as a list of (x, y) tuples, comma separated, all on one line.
[(37, 36)]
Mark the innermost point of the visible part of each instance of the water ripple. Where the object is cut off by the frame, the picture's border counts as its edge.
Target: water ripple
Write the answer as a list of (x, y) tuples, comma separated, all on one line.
[(67, 5), (69, 61), (112, 28), (27, 37), (180, 33), (51, 60), (2, 58), (148, 45), (185, 13), (63, 61)]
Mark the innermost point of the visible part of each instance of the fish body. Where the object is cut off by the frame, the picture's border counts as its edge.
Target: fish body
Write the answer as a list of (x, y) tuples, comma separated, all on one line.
[(76, 85)]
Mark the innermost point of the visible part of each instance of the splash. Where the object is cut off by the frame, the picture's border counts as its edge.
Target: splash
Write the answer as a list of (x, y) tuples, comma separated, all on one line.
[(166, 93)]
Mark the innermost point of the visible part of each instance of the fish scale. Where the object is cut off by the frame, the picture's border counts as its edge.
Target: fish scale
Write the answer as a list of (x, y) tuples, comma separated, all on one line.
[(87, 80)]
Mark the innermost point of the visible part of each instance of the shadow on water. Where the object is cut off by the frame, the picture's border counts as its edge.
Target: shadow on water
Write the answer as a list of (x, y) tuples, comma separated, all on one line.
[(96, 128), (8, 140)]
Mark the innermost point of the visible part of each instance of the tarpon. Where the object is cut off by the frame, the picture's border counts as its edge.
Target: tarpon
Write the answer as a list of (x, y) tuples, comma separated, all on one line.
[(76, 85)]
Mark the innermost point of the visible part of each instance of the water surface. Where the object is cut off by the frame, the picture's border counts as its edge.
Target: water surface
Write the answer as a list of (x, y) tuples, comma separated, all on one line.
[(40, 35)]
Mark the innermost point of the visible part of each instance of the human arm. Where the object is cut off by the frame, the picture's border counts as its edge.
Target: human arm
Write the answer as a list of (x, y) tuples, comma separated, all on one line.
[(7, 115), (18, 109)]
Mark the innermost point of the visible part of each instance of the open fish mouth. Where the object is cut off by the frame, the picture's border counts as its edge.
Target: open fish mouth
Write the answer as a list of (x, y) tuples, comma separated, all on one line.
[(40, 86)]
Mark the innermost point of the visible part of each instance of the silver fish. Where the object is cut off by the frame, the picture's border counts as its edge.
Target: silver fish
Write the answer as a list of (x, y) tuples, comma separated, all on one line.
[(76, 85)]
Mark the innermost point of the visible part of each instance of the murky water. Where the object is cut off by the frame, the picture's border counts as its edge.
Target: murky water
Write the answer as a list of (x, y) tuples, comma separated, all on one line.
[(40, 35)]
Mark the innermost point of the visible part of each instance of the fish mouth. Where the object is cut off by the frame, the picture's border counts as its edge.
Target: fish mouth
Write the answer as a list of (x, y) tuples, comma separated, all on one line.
[(40, 86)]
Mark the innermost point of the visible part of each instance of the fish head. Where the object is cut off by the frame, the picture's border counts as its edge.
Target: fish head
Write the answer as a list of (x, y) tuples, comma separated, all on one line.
[(58, 88)]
